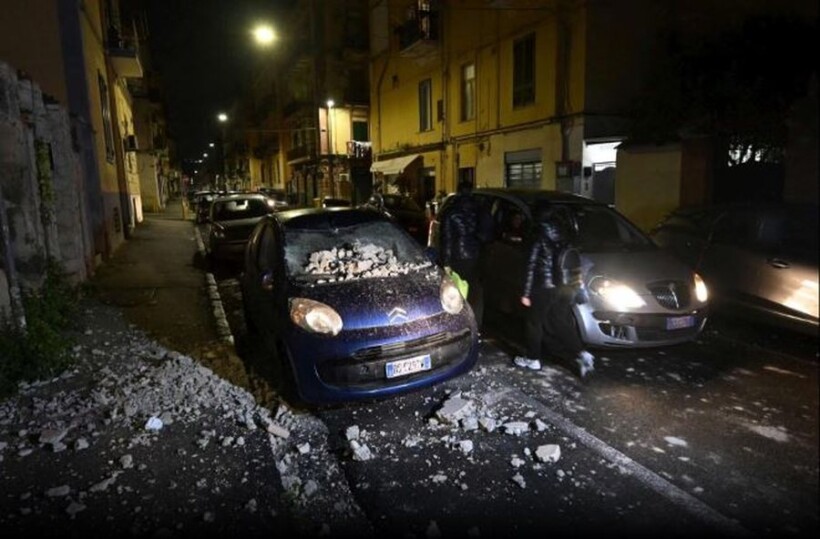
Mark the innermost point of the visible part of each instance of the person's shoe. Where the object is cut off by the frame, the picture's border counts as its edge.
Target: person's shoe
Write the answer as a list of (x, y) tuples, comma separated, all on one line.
[(527, 363), (585, 362)]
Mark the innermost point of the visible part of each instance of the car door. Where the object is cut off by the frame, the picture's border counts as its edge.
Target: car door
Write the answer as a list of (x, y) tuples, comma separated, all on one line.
[(504, 257), (731, 262), (787, 280), (261, 277)]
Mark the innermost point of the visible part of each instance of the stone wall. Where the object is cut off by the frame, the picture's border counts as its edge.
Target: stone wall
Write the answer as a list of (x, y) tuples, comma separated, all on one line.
[(41, 186)]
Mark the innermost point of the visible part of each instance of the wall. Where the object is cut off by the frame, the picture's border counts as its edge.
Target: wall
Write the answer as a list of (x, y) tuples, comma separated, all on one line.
[(647, 183)]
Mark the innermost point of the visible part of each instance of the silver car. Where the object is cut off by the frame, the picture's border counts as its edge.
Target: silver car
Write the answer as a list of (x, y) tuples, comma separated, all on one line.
[(231, 220), (760, 260), (640, 296)]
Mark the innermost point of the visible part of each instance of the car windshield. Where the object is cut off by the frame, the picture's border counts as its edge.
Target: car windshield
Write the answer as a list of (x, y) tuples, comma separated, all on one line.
[(241, 208), (360, 251), (599, 228)]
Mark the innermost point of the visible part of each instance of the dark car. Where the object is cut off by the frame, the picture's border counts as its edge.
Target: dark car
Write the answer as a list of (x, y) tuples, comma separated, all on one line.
[(640, 296), (353, 306), (759, 260), (408, 214), (230, 223)]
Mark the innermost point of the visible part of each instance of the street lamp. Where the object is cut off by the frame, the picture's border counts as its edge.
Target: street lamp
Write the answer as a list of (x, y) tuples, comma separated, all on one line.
[(211, 144), (222, 117), (264, 35)]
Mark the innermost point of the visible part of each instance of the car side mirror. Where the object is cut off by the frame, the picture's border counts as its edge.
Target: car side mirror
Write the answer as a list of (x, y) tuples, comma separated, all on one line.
[(267, 281)]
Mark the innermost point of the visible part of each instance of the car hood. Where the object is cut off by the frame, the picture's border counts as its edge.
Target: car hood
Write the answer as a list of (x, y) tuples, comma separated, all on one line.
[(379, 302), (636, 269)]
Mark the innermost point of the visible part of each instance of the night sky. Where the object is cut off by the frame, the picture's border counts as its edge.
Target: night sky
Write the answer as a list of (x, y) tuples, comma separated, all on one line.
[(205, 54)]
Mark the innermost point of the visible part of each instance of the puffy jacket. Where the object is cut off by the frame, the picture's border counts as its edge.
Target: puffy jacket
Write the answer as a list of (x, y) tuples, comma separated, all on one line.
[(461, 230), (540, 271)]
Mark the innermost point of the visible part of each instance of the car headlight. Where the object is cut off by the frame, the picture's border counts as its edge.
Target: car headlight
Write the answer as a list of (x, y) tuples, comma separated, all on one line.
[(451, 299), (701, 292), (315, 316), (618, 295)]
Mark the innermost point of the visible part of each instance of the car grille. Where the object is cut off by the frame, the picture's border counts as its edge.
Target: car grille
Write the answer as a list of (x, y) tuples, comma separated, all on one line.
[(408, 347), (671, 294)]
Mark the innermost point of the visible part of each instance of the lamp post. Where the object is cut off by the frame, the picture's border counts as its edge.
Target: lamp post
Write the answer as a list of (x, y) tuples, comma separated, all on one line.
[(223, 119), (330, 150)]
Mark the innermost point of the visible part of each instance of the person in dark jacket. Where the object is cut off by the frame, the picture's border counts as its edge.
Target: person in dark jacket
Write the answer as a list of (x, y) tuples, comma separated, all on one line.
[(465, 226), (549, 300)]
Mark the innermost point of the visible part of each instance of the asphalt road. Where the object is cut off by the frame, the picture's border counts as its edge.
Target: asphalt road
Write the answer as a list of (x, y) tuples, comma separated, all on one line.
[(717, 437)]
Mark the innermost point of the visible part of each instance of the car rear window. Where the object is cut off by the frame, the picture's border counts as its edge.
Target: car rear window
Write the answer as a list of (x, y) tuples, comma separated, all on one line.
[(229, 210)]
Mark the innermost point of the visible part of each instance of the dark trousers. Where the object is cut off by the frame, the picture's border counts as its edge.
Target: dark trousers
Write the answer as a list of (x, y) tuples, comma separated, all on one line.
[(468, 269), (550, 326)]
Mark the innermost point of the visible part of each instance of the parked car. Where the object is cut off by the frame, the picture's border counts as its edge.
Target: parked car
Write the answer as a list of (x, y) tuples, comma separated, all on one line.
[(279, 196), (353, 306), (639, 295), (758, 260), (230, 223), (408, 214)]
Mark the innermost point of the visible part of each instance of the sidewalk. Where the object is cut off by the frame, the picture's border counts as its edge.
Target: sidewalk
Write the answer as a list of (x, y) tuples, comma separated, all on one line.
[(140, 438)]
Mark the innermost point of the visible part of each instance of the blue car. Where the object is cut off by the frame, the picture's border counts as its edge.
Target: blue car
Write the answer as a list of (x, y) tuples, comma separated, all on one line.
[(351, 304)]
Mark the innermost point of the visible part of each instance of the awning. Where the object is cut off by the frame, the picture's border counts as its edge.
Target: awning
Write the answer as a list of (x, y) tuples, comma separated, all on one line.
[(393, 166)]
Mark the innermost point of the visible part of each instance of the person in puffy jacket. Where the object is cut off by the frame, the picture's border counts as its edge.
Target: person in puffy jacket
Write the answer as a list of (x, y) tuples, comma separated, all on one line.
[(465, 227), (549, 300)]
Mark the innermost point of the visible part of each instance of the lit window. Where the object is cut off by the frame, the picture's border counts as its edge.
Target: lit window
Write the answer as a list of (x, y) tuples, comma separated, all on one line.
[(467, 92)]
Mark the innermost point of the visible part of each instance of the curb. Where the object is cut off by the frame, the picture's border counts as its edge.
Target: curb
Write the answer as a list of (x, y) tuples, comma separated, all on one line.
[(223, 329)]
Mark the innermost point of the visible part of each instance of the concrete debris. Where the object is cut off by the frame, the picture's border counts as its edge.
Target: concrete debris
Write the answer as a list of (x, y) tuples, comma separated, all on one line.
[(208, 517), (251, 506), (487, 423), (516, 462), (278, 431), (52, 436), (80, 444), (154, 423), (352, 433), (540, 426), (360, 451), (74, 508), (469, 423), (516, 428), (548, 453), (454, 410), (57, 492), (466, 446), (310, 488), (304, 448), (127, 461), (439, 478), (518, 479), (103, 485), (358, 261)]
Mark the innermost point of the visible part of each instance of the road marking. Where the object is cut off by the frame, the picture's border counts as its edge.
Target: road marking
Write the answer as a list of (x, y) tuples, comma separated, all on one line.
[(655, 482)]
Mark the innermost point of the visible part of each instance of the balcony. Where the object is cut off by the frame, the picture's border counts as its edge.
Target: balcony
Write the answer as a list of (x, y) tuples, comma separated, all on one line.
[(419, 34), (299, 154), (124, 54)]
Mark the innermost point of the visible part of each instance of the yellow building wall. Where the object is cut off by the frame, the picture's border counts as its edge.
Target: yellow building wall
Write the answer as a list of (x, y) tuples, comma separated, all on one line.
[(647, 183)]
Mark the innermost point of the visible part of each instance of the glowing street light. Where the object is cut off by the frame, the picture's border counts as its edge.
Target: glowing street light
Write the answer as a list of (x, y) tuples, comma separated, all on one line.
[(264, 35), (205, 154), (211, 144), (222, 117)]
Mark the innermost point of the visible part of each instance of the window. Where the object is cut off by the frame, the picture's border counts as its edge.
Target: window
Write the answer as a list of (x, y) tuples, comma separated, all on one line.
[(523, 168), (359, 129), (105, 109), (426, 105), (467, 92), (524, 71)]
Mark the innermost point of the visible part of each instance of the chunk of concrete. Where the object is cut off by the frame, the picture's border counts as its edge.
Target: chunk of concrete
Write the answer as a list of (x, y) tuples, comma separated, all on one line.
[(548, 453), (454, 410)]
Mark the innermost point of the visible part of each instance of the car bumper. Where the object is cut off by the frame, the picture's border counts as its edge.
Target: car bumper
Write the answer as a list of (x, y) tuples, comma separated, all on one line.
[(607, 329), (352, 365)]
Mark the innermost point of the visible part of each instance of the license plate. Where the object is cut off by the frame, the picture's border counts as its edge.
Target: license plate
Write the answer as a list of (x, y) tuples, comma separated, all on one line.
[(680, 322), (407, 366)]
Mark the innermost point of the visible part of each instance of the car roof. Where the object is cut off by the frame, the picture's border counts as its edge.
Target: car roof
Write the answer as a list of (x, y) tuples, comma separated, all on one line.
[(529, 196), (240, 196)]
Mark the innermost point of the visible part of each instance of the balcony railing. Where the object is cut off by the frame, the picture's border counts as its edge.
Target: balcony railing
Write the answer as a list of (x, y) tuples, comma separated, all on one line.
[(419, 31)]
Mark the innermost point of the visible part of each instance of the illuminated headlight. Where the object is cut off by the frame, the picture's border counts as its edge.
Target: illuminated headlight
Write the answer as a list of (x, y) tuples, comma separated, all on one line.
[(451, 299), (701, 292), (315, 317), (618, 295)]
